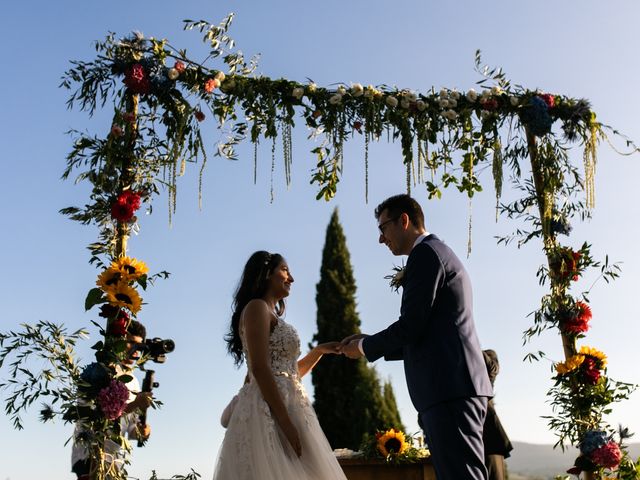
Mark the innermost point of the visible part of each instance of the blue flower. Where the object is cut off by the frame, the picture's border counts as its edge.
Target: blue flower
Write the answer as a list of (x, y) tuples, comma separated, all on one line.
[(592, 440), (96, 375), (535, 115)]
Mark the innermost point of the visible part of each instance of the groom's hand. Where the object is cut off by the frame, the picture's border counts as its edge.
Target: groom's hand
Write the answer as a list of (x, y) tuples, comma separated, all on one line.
[(348, 339), (351, 349)]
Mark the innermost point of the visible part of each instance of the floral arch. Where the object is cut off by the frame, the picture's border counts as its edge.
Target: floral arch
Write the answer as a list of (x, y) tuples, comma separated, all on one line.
[(160, 97)]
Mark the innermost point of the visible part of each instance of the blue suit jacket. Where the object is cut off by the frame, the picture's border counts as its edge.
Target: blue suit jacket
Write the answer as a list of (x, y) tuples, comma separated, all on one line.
[(435, 334)]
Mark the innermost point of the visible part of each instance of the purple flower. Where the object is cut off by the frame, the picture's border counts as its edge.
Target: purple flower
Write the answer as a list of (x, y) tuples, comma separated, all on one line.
[(113, 399)]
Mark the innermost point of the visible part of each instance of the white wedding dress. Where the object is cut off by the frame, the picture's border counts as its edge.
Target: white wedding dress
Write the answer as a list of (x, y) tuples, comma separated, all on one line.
[(254, 447)]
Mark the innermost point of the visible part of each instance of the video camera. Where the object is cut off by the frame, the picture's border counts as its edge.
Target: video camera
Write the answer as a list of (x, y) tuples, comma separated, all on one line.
[(155, 349)]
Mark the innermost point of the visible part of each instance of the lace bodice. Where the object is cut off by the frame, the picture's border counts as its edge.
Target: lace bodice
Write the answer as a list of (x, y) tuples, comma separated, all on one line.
[(284, 349)]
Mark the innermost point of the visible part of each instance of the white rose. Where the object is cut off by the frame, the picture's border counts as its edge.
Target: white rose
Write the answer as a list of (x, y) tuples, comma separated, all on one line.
[(496, 90), (357, 89), (412, 97), (404, 103), (485, 94), (312, 87), (452, 103), (341, 90), (444, 93), (455, 95), (443, 102), (514, 101), (173, 74), (220, 76), (472, 95), (485, 114), (391, 101), (450, 114), (335, 99), (421, 106), (298, 92)]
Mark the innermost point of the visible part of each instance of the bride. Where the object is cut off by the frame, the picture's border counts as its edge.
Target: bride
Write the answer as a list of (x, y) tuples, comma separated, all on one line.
[(273, 433)]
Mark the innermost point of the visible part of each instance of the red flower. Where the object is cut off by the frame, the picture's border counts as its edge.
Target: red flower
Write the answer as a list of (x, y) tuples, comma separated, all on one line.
[(180, 66), (358, 126), (130, 198), (489, 104), (129, 117), (118, 327), (608, 455), (590, 370), (549, 99), (125, 206), (580, 322), (122, 212), (199, 115), (136, 79)]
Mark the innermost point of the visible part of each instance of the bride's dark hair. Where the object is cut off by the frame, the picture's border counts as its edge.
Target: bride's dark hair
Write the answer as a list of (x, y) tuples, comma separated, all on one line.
[(253, 284)]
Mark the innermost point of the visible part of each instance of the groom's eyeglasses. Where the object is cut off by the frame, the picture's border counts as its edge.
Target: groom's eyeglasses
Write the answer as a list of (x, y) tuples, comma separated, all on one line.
[(382, 226)]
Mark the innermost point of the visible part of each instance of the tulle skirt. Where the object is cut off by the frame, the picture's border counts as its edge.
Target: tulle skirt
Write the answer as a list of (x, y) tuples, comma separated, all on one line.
[(254, 447)]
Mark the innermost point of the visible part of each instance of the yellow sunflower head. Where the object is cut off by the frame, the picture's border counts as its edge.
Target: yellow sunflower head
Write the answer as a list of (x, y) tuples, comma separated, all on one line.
[(130, 268), (596, 354), (109, 278), (570, 364), (122, 295), (392, 442)]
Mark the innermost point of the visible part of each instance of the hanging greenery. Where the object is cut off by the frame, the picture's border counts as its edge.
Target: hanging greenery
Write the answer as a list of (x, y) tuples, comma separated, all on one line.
[(160, 96)]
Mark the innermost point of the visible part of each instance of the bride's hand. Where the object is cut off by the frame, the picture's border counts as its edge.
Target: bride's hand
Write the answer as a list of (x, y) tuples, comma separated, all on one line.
[(329, 347), (291, 432)]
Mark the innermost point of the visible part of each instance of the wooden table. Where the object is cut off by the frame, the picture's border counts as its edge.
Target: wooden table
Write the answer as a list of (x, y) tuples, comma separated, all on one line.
[(361, 469)]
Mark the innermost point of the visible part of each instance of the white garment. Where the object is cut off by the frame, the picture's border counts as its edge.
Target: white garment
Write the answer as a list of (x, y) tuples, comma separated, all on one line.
[(128, 423), (254, 447)]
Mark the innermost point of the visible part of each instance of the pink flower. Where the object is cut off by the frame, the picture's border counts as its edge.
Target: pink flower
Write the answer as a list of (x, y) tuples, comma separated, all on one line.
[(608, 455), (211, 84), (116, 131), (113, 399), (136, 79), (199, 115), (489, 104), (179, 66), (129, 117)]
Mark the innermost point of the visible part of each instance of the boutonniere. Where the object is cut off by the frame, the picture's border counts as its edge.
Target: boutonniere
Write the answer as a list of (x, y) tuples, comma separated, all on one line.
[(396, 279)]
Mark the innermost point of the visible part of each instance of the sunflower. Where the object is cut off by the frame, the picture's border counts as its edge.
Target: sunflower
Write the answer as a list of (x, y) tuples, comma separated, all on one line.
[(122, 295), (108, 279), (130, 268), (596, 354), (392, 442), (570, 365)]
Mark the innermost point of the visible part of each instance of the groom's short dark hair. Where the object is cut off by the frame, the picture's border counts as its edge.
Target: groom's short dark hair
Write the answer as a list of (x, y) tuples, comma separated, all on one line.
[(399, 204)]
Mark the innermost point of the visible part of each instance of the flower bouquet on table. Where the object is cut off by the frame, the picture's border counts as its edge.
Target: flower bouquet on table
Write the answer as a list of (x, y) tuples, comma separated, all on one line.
[(393, 446)]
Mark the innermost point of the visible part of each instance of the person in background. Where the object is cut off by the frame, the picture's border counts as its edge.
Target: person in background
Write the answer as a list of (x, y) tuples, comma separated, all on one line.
[(496, 442)]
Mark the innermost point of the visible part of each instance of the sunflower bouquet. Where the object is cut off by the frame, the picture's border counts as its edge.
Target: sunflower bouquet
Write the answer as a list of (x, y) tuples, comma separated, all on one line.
[(393, 446)]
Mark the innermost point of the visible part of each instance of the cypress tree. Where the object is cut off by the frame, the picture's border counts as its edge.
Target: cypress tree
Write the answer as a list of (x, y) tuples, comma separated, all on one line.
[(348, 398)]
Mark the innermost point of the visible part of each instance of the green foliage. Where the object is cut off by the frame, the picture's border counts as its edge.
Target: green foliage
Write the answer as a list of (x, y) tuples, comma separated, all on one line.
[(41, 364), (349, 399)]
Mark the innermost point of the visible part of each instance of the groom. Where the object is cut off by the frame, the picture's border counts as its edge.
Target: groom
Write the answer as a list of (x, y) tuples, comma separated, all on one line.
[(435, 336)]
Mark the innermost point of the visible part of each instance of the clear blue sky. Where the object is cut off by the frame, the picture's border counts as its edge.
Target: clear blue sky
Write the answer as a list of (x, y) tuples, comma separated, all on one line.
[(585, 49)]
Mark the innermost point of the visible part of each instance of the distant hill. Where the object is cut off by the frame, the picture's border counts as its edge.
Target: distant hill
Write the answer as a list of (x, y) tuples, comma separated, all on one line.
[(530, 461)]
